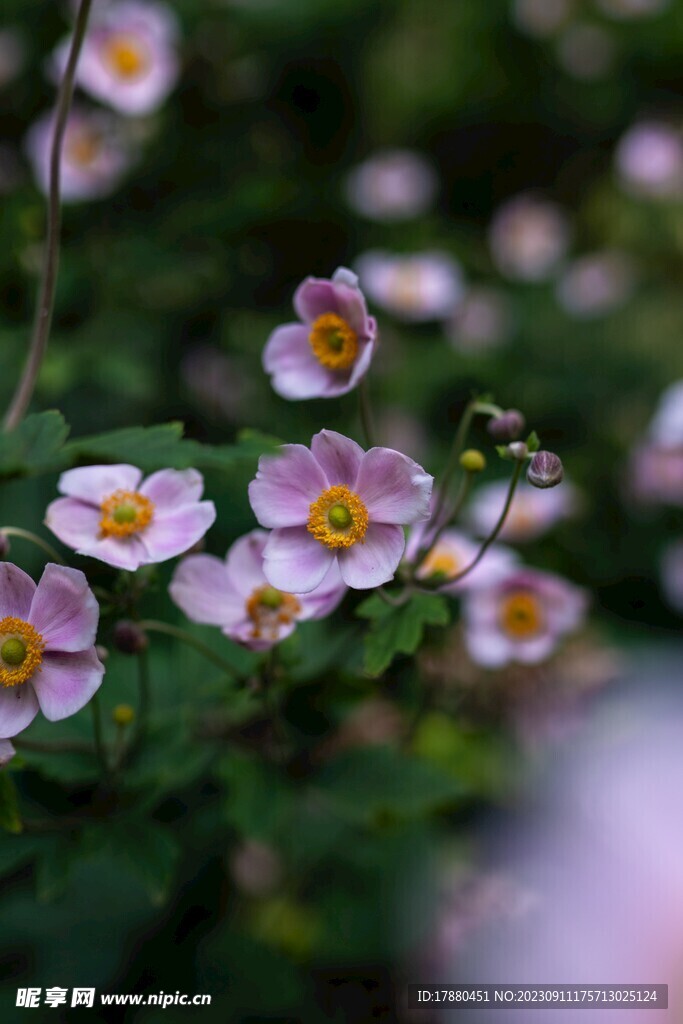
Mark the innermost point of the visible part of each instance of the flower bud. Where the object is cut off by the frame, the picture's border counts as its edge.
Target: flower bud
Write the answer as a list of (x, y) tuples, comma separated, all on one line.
[(123, 714), (129, 638), (545, 470), (4, 546), (102, 652), (518, 451), (506, 427), (473, 461)]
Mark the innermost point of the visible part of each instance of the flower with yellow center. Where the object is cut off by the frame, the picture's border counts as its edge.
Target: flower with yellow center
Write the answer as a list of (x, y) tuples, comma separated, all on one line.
[(21, 651), (125, 513), (334, 342), (126, 56), (83, 146), (270, 610), (338, 518), (440, 564), (521, 615)]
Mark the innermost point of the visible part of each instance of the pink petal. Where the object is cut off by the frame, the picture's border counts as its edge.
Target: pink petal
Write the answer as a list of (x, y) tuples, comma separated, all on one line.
[(339, 456), (286, 484), (244, 563), (18, 708), (202, 588), (75, 523), (394, 488), (171, 488), (173, 533), (66, 682), (375, 559), (363, 360), (94, 483), (315, 297), (64, 610), (16, 592), (288, 358), (7, 752), (294, 561), (488, 648), (127, 553), (324, 599), (243, 634)]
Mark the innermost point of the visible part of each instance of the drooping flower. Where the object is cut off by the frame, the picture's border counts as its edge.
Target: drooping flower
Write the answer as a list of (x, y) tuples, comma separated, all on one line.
[(649, 160), (109, 514), (532, 513), (48, 660), (235, 595), (391, 185), (95, 155), (419, 287), (7, 752), (336, 503), (330, 350), (596, 284), (129, 58), (528, 238), (521, 617), (452, 553)]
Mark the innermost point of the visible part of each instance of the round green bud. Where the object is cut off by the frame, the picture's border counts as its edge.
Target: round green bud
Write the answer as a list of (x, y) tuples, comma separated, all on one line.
[(13, 651), (270, 597), (340, 517), (473, 461), (123, 714), (125, 514)]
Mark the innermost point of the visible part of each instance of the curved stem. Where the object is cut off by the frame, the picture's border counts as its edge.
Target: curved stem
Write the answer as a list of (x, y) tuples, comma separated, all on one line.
[(460, 500), (16, 531), (366, 413), (54, 747), (48, 282), (152, 626), (453, 459)]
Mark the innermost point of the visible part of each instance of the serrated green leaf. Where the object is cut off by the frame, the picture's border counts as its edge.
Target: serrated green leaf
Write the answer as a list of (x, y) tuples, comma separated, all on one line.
[(10, 819), (34, 446), (398, 630)]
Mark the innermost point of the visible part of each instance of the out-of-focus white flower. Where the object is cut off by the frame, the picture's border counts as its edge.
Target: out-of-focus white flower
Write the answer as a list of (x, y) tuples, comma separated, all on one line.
[(403, 432), (419, 287), (481, 322), (391, 185), (453, 552), (528, 238), (542, 17), (656, 474), (129, 58), (649, 160), (94, 154), (12, 55), (632, 8), (586, 51), (532, 513), (666, 428), (596, 284)]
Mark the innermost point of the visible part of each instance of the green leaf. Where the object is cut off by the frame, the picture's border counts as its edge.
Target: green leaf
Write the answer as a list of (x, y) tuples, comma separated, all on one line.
[(144, 850), (34, 446), (370, 784), (53, 868), (10, 818), (398, 630), (533, 442), (258, 800)]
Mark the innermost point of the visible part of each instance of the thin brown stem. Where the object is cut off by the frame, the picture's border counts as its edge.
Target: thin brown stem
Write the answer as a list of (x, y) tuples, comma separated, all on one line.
[(16, 531), (48, 278)]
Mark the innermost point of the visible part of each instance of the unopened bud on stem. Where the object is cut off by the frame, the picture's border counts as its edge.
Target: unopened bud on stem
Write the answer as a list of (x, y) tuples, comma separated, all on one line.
[(518, 451), (545, 470), (473, 461), (129, 638), (506, 427)]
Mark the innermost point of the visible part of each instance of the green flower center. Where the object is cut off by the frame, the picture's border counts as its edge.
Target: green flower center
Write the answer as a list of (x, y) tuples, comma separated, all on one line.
[(125, 514), (340, 517), (13, 651), (270, 597)]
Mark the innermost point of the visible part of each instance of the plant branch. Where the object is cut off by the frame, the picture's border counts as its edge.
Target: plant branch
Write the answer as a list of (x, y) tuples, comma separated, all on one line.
[(16, 531), (152, 626)]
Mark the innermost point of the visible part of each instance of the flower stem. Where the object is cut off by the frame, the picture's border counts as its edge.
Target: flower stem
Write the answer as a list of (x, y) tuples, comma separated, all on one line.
[(366, 417), (97, 733), (152, 626), (453, 459), (460, 500), (50, 268), (16, 531), (144, 700)]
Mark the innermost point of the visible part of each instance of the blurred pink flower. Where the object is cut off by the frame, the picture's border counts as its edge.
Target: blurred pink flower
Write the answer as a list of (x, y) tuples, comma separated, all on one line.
[(528, 238), (521, 617), (129, 58), (391, 185), (48, 660), (532, 514), (655, 474), (334, 503), (649, 160), (110, 515), (95, 154), (452, 553), (481, 322), (7, 752), (586, 51), (666, 428), (542, 17), (330, 350), (235, 595), (597, 284), (417, 287)]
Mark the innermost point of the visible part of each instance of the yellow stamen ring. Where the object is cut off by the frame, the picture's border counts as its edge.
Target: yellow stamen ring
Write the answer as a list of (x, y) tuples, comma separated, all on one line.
[(271, 609), (440, 563), (521, 615), (334, 342), (338, 518), (125, 513), (126, 56), (21, 651)]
